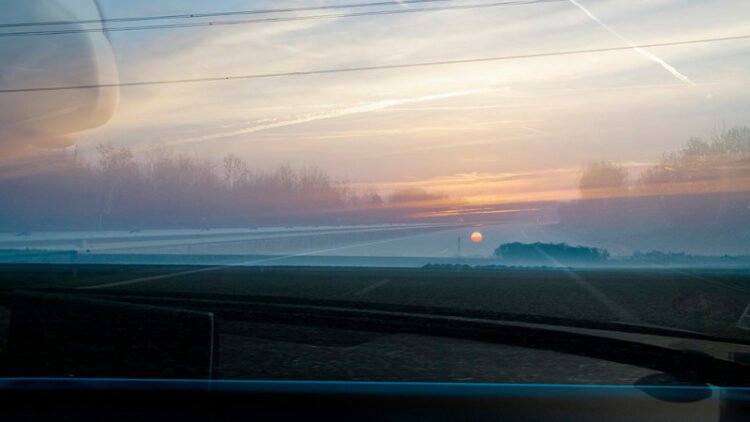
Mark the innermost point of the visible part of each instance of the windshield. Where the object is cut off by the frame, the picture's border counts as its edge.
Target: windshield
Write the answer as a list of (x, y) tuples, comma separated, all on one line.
[(584, 162)]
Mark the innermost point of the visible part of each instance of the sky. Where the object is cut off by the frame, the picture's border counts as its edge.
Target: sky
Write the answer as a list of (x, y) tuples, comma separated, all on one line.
[(506, 130)]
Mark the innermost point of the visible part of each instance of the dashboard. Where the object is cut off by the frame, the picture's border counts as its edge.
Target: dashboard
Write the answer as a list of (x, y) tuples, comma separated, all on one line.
[(90, 399)]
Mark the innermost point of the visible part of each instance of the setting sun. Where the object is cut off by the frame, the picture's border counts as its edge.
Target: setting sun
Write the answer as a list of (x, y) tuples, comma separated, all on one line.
[(476, 237)]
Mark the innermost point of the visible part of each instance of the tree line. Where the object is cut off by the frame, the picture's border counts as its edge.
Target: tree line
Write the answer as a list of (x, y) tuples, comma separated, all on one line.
[(704, 181), (116, 191)]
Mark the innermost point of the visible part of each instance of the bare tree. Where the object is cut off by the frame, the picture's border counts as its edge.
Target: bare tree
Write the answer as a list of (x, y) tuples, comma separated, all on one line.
[(235, 171), (118, 173)]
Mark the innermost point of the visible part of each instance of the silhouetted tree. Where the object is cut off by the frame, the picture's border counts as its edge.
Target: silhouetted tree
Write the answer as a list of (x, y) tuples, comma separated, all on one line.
[(551, 253), (235, 171)]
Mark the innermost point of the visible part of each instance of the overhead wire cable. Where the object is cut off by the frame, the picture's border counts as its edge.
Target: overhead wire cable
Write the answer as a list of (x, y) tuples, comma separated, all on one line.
[(218, 14), (275, 19), (378, 67)]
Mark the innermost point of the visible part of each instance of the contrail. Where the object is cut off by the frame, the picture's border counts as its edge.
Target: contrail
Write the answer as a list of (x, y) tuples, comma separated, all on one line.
[(375, 106), (669, 68)]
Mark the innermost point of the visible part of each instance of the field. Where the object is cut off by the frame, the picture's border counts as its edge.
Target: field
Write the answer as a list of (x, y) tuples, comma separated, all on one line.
[(709, 301)]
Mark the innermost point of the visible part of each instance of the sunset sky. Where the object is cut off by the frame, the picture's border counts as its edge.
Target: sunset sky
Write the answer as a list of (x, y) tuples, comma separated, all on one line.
[(506, 130)]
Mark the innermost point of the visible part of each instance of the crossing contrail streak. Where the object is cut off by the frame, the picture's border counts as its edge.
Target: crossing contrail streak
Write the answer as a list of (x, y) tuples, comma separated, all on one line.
[(669, 68)]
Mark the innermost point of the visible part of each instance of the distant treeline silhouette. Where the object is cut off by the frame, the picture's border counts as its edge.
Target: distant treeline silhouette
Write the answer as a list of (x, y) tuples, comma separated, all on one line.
[(116, 191), (550, 253), (562, 254)]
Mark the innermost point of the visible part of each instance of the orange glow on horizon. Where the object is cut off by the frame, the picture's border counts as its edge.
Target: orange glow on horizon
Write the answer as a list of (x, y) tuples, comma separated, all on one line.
[(471, 194), (469, 211)]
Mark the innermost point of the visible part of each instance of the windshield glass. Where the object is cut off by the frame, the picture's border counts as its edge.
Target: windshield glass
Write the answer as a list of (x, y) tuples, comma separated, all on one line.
[(586, 160)]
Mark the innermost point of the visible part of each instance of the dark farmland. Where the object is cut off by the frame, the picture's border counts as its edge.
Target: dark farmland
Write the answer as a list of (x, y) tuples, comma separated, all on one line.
[(707, 301)]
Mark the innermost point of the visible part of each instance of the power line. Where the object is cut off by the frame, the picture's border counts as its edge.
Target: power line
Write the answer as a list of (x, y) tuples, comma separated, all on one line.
[(217, 14), (378, 67), (277, 19)]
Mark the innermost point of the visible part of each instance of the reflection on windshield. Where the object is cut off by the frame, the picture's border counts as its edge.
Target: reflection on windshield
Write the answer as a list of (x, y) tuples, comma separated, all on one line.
[(593, 157)]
